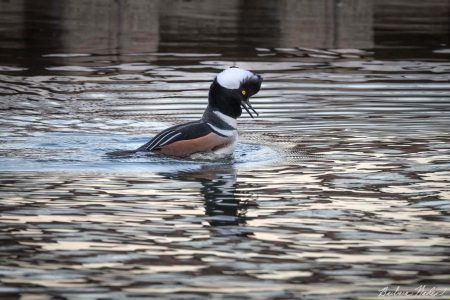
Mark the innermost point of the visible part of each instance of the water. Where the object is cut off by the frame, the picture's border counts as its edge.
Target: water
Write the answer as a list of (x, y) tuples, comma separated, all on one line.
[(339, 189)]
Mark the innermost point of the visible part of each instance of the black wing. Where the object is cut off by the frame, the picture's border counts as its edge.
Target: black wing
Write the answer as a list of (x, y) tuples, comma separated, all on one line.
[(187, 131)]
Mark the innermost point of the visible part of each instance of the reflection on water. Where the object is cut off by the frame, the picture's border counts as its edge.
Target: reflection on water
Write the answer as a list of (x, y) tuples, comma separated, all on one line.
[(339, 189), (230, 27), (223, 206)]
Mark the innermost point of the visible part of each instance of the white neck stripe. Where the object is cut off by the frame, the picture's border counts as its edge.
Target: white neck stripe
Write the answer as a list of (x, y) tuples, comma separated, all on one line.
[(227, 119), (227, 133)]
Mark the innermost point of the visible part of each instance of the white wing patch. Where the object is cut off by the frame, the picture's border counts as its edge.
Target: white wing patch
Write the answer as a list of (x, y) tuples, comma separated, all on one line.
[(162, 140), (167, 140), (231, 78)]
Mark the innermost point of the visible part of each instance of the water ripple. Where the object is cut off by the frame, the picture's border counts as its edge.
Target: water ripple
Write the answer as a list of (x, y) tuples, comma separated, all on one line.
[(338, 189)]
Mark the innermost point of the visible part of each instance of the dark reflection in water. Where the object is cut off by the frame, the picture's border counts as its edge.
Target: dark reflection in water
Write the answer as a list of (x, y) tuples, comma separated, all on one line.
[(232, 26), (339, 189), (222, 204)]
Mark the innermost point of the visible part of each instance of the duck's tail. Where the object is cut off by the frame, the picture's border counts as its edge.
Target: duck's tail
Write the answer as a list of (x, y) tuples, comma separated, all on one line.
[(121, 153)]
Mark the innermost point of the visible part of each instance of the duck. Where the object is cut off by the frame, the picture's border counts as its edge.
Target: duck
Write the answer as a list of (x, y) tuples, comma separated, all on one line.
[(216, 131)]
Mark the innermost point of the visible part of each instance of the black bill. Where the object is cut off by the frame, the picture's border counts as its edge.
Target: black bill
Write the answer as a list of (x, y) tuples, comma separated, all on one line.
[(246, 105)]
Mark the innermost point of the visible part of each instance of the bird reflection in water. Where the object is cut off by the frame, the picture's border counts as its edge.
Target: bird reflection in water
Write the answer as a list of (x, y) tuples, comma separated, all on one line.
[(223, 205)]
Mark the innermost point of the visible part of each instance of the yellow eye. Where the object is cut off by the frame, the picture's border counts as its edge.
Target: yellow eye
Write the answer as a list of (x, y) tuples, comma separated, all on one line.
[(244, 92)]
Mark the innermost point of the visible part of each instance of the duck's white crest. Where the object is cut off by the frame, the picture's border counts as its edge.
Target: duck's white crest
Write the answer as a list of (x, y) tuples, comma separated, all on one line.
[(231, 78)]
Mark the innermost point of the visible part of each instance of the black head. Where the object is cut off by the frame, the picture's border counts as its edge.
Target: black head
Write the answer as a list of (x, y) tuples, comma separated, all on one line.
[(232, 89)]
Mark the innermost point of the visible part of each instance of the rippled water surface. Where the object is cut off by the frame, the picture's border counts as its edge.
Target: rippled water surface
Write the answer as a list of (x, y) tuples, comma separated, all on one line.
[(339, 189)]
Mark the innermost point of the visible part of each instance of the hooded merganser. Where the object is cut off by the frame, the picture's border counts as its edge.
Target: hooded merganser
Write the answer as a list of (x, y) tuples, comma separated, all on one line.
[(216, 130)]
